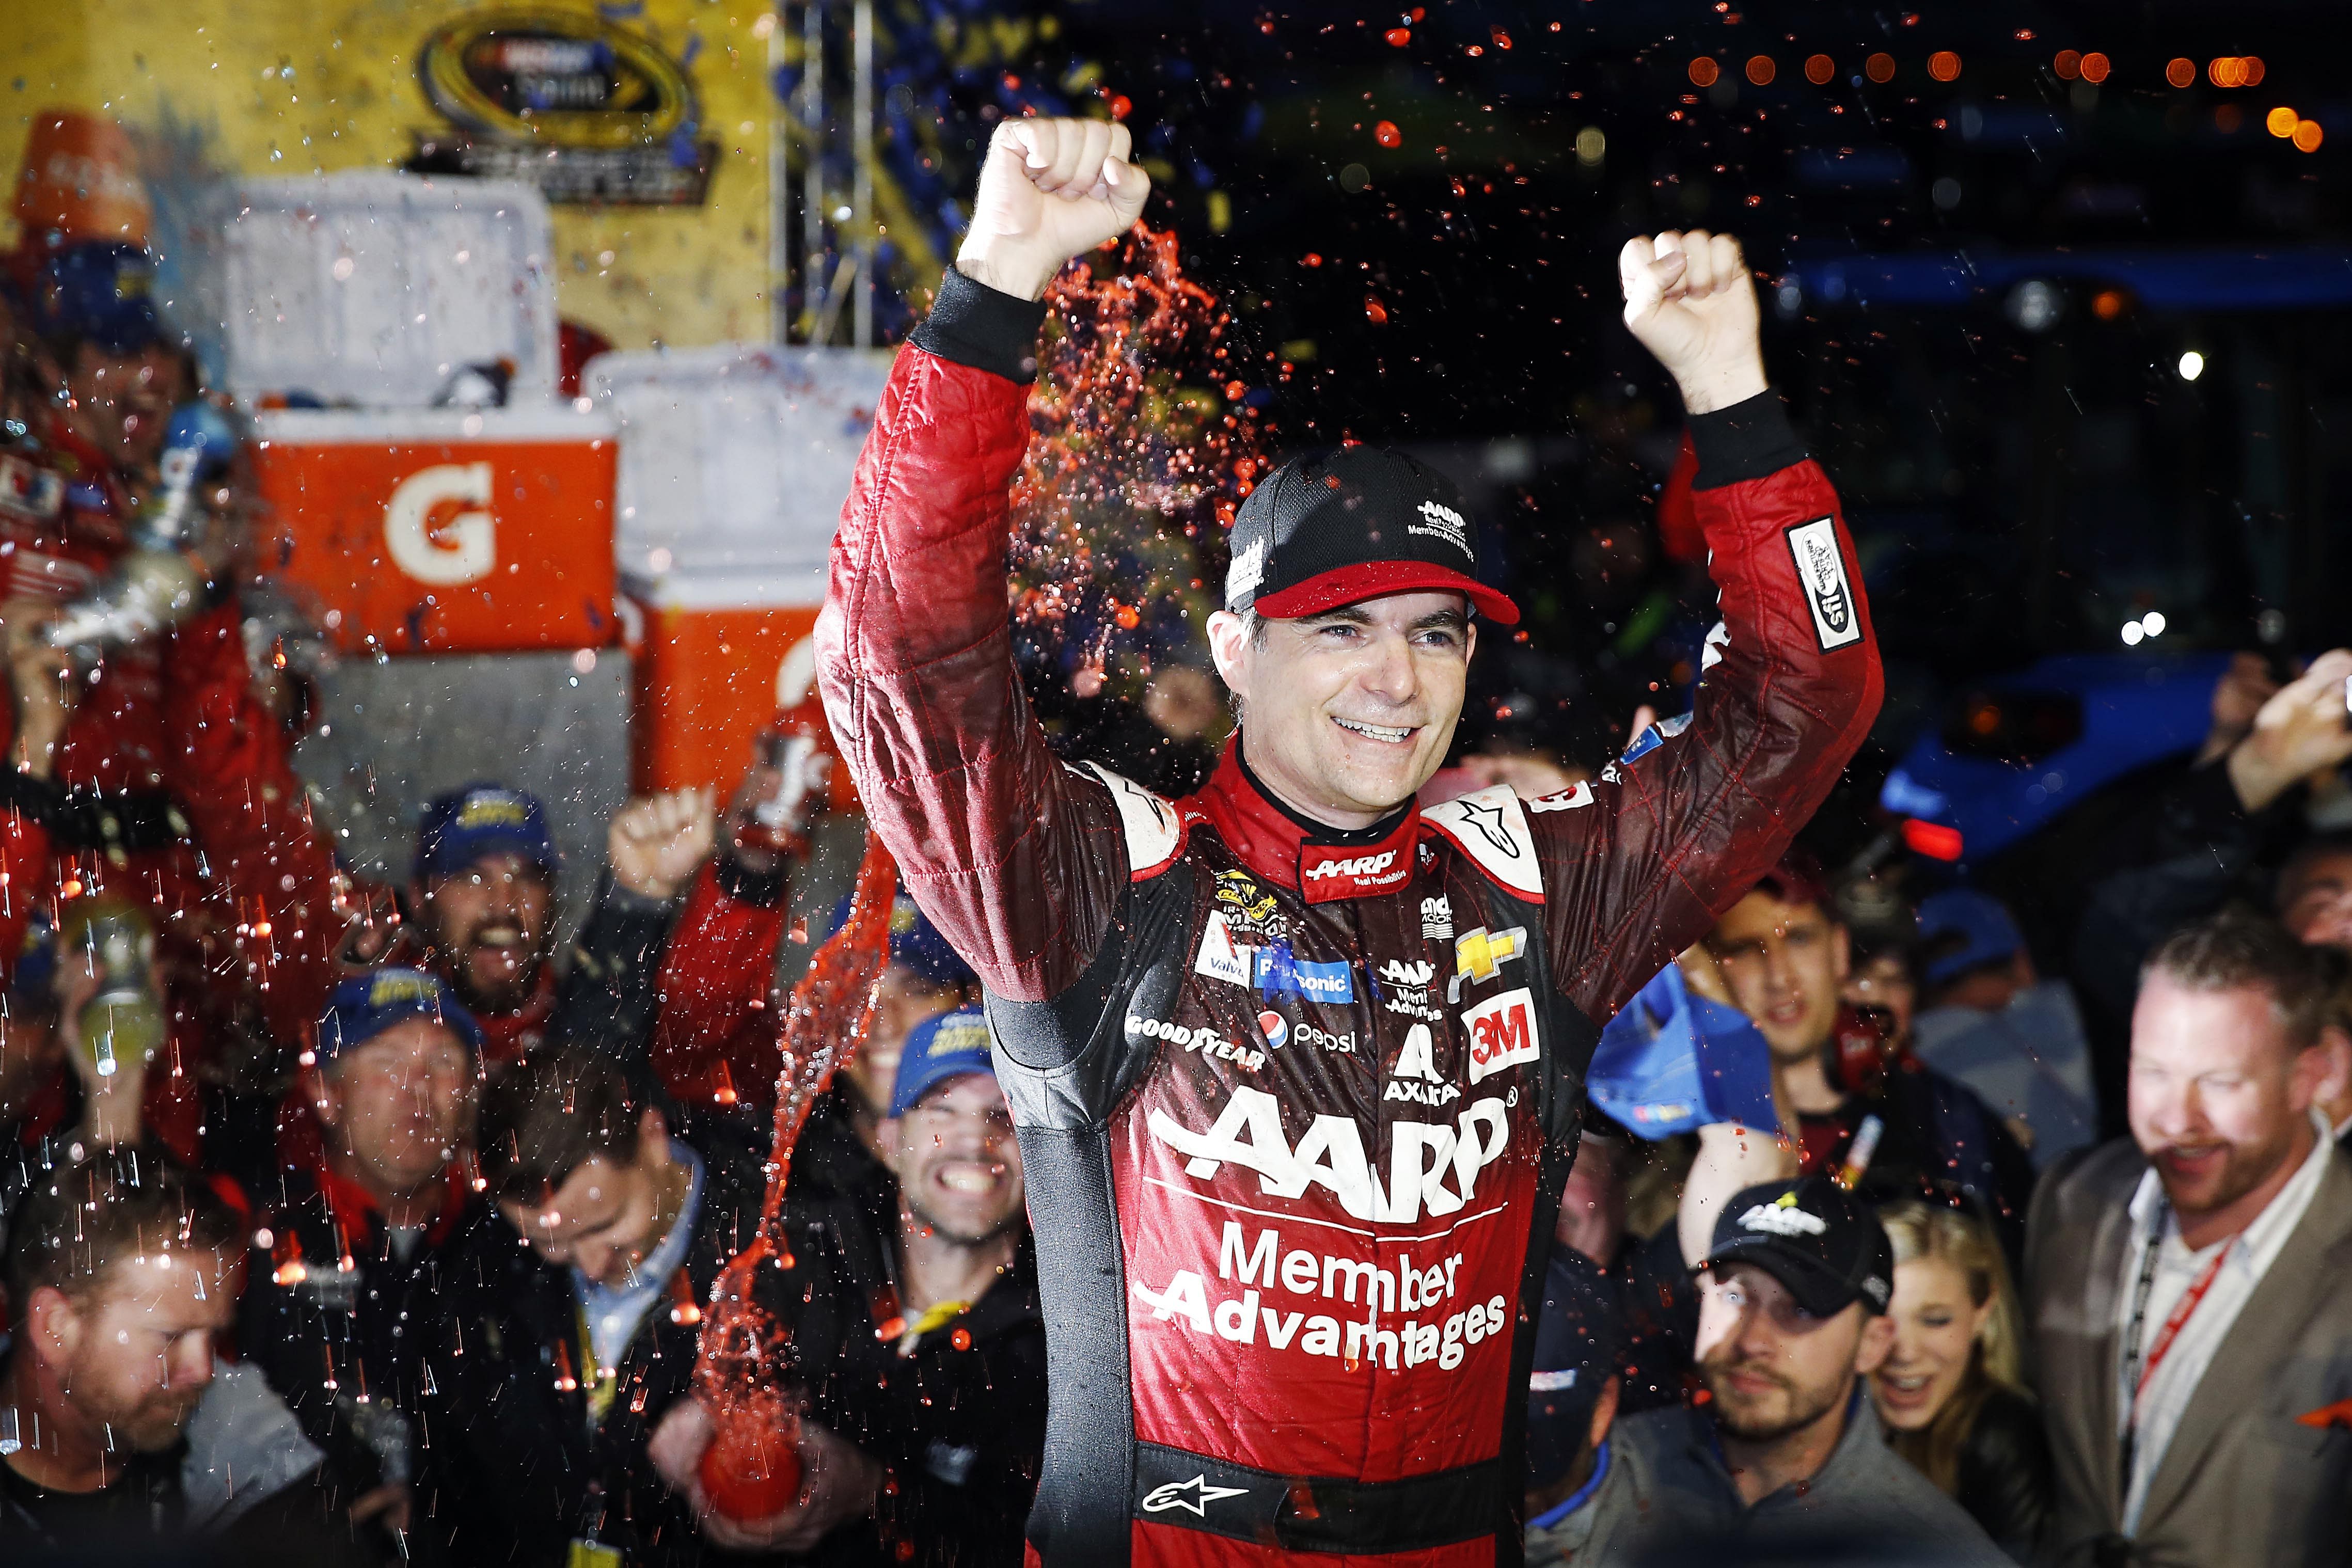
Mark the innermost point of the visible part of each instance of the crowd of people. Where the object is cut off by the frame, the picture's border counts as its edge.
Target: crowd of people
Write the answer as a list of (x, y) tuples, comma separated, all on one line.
[(362, 1223)]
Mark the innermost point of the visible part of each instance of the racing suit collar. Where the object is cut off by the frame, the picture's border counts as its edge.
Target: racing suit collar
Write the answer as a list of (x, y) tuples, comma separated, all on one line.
[(1322, 862)]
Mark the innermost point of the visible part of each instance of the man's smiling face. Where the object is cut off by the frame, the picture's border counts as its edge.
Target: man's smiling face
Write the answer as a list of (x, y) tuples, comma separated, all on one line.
[(1350, 711)]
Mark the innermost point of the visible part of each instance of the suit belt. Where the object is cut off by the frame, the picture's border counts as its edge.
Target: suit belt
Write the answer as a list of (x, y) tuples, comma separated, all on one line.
[(1317, 1514)]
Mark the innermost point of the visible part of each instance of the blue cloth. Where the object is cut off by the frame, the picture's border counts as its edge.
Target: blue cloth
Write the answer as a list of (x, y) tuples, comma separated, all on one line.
[(364, 1006), (1961, 928), (614, 1313), (483, 818), (1670, 1062), (937, 1050)]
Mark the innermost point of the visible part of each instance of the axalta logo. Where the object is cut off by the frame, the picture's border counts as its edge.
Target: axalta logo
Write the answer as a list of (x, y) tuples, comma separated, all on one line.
[(1414, 1080), (1782, 1217), (1397, 972), (1502, 1033), (1360, 866), (1194, 1495), (1205, 1042), (1421, 1155), (1480, 956)]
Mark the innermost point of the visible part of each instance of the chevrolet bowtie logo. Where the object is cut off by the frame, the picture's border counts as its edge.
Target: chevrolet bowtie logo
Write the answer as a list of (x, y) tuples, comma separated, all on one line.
[(1480, 954), (1159, 1500)]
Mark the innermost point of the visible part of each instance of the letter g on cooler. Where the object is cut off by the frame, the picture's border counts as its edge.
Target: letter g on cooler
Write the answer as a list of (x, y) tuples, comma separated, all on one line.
[(467, 548)]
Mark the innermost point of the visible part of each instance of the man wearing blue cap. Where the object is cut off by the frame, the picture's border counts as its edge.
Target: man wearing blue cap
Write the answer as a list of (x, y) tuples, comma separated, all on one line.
[(94, 307), (921, 1337), (352, 1232), (484, 893), (1993, 1023)]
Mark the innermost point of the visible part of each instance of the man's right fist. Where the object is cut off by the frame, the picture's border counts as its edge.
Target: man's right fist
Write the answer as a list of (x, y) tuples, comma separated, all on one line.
[(1051, 188)]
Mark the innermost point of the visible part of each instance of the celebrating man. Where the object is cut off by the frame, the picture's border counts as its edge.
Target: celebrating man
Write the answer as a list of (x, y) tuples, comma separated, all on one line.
[(1294, 1065)]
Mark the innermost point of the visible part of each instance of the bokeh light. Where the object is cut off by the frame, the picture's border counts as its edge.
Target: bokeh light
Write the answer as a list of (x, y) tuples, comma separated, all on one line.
[(2281, 123), (2308, 136), (1944, 65), (1760, 70), (1703, 72), (2192, 366), (1879, 68), (1819, 70), (2094, 67), (2068, 65), (2181, 72)]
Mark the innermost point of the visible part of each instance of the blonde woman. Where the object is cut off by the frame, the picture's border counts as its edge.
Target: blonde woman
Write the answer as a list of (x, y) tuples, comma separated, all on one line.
[(1952, 1395)]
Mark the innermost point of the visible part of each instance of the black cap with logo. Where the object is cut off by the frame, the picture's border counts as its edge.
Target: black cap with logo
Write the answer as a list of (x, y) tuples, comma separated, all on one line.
[(1814, 1237), (1335, 528)]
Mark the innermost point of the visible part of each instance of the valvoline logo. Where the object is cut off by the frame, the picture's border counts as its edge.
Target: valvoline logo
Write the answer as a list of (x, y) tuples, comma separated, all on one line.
[(1275, 1027)]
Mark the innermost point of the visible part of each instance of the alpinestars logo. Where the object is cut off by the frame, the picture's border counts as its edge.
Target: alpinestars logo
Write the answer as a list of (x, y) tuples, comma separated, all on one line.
[(1437, 919), (1821, 570), (1159, 1500), (1442, 522)]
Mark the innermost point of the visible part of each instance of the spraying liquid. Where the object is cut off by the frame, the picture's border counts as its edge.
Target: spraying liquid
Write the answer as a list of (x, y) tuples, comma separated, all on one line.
[(752, 1469)]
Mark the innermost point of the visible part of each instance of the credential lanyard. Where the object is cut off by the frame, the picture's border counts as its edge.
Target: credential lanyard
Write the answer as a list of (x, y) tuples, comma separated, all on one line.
[(2174, 1321)]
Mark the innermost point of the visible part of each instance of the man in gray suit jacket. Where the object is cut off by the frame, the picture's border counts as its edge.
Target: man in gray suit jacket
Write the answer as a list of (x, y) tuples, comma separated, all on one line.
[(2192, 1285)]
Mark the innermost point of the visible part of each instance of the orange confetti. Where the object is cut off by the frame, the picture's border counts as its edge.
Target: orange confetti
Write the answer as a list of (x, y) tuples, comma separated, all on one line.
[(1386, 134)]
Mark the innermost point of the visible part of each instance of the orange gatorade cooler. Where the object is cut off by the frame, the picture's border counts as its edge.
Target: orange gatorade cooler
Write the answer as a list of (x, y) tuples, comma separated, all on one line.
[(413, 531)]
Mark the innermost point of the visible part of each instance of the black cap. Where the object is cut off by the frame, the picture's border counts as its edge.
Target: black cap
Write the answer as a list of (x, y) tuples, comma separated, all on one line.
[(1580, 1347), (1358, 522), (1812, 1236)]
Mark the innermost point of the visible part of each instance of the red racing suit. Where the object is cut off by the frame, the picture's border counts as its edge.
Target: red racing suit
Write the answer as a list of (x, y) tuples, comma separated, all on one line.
[(1295, 1105)]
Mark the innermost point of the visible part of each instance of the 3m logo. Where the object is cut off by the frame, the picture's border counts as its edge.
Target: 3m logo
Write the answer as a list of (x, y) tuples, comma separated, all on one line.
[(1821, 569), (1396, 972), (1360, 866), (1502, 1033), (438, 547)]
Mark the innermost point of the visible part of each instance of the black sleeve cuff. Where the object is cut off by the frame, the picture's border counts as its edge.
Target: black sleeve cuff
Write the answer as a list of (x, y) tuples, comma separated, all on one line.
[(41, 801), (1746, 441), (761, 889), (975, 325)]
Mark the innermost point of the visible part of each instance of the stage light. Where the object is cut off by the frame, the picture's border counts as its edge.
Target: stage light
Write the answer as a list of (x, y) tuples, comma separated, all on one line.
[(2192, 365)]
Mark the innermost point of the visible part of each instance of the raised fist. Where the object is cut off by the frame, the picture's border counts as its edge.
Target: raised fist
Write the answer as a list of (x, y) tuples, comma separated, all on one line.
[(1690, 301), (658, 842), (1051, 188)]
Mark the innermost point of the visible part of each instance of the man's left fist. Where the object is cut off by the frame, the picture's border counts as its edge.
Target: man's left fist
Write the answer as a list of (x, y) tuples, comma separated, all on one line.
[(1690, 300), (1051, 188)]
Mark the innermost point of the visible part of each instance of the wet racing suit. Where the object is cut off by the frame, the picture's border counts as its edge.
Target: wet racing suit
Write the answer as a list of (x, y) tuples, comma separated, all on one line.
[(1295, 1104)]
